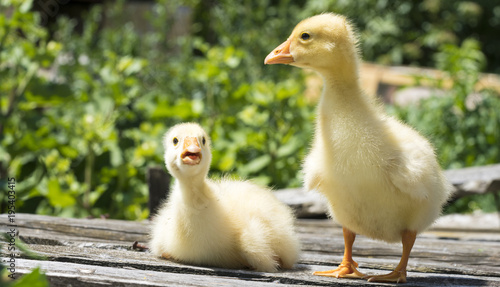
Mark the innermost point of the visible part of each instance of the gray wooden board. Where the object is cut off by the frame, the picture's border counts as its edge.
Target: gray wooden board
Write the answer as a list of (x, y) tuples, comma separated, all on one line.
[(476, 173), (66, 274), (466, 181), (96, 252)]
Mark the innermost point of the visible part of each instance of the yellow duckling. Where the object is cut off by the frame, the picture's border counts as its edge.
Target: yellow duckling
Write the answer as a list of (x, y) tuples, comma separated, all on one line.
[(229, 224), (380, 176)]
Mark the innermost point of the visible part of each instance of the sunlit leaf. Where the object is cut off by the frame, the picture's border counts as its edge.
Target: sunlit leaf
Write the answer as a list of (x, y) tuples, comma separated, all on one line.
[(289, 148), (256, 164), (56, 196), (33, 279), (25, 6)]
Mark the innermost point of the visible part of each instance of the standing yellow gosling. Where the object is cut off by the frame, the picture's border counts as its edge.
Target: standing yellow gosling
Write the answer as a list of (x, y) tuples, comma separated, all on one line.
[(380, 176), (229, 224)]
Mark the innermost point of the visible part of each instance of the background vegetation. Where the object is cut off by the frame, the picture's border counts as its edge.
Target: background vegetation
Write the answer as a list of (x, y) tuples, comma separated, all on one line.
[(84, 108)]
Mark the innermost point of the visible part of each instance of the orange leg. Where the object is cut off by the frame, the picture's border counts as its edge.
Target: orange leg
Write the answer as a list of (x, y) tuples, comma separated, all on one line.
[(399, 274), (348, 267)]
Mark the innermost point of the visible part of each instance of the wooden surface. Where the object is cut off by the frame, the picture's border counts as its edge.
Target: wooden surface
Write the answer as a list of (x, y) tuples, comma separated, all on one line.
[(458, 251), (385, 81), (373, 75), (466, 181), (474, 180)]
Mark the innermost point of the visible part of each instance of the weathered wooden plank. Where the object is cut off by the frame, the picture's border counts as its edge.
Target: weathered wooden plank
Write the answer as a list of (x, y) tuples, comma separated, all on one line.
[(438, 257), (102, 228), (72, 274), (405, 76), (470, 222), (475, 180), (63, 273), (306, 204), (461, 261), (63, 229), (118, 230), (127, 271), (108, 258), (429, 253), (467, 181), (375, 77), (476, 173), (477, 226)]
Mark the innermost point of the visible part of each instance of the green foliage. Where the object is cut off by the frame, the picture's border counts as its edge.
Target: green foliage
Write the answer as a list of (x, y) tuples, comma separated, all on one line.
[(462, 124), (481, 202), (88, 121), (33, 279), (83, 109), (255, 26)]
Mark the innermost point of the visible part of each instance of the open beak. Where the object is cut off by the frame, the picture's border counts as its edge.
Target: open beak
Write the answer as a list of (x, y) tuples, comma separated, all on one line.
[(280, 55), (191, 151)]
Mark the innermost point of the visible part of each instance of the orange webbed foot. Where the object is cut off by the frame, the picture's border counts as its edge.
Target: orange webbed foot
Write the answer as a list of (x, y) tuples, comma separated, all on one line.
[(345, 270), (393, 277), (399, 274)]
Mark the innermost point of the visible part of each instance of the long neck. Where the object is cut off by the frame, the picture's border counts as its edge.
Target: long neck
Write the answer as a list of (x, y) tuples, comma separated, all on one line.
[(341, 77), (195, 192), (343, 107), (342, 92)]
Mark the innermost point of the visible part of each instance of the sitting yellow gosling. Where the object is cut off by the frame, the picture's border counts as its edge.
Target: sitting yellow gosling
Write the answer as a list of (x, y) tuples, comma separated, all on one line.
[(381, 177), (229, 224)]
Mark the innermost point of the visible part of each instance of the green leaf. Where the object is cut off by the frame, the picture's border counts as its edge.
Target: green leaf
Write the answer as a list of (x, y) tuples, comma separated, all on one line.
[(69, 151), (26, 6), (129, 65), (33, 279), (182, 109), (257, 164), (289, 148), (56, 197), (116, 155), (42, 93), (227, 161)]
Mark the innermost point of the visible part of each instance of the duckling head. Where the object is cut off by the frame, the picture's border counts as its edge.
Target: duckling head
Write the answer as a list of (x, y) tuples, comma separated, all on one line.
[(321, 43), (187, 151)]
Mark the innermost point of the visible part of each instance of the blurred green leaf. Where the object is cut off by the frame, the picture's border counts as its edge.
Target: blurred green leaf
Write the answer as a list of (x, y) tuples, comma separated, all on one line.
[(34, 279), (256, 165), (56, 197), (26, 6), (227, 161), (288, 148)]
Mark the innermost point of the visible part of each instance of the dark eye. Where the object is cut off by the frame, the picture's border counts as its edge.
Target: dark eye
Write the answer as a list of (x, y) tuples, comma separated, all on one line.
[(305, 36), (203, 140), (175, 141)]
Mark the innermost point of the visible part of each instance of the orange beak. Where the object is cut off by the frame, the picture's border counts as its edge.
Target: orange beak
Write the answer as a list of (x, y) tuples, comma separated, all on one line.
[(280, 55), (191, 153)]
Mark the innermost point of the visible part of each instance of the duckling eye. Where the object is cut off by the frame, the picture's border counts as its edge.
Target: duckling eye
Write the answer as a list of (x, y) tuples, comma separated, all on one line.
[(203, 140), (305, 36), (175, 141)]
